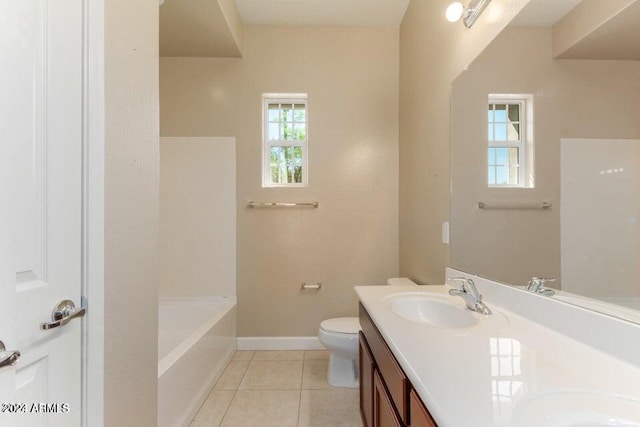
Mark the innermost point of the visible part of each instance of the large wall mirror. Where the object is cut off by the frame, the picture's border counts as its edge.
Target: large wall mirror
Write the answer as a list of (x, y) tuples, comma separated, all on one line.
[(546, 154)]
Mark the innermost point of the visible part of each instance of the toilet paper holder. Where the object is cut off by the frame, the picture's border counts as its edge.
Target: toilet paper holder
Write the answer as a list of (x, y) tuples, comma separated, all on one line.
[(305, 285)]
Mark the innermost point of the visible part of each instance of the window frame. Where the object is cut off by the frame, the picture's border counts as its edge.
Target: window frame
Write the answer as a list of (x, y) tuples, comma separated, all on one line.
[(525, 142), (267, 144)]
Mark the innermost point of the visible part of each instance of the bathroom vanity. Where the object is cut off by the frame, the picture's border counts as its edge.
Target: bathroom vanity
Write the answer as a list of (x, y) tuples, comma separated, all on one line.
[(386, 396), (426, 360)]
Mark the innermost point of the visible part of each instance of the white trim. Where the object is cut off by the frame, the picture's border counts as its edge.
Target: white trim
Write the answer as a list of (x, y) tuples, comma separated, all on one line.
[(294, 96), (93, 214), (279, 343)]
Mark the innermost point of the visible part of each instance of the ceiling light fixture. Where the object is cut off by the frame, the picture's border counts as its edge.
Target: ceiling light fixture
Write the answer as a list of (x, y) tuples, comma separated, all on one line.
[(456, 10)]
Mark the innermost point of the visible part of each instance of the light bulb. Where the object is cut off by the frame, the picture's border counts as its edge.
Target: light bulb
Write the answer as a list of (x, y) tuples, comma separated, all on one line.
[(454, 12)]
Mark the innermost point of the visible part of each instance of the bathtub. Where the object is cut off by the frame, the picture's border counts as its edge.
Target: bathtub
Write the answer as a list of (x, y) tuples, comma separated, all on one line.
[(196, 340)]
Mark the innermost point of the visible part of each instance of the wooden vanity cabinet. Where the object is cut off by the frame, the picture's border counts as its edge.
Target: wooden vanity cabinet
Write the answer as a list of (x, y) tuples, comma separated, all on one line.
[(384, 414), (420, 417), (367, 368), (386, 396)]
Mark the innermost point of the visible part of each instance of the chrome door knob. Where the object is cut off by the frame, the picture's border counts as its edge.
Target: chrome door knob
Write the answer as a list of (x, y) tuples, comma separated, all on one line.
[(8, 358), (62, 313)]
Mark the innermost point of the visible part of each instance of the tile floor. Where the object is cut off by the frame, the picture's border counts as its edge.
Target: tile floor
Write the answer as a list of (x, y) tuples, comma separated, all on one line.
[(278, 389)]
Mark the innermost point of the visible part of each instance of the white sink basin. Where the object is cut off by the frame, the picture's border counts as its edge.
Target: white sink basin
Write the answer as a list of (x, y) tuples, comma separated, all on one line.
[(580, 409), (431, 309)]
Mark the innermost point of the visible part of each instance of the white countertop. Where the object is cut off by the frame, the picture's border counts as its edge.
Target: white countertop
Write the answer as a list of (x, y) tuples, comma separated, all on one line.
[(506, 370)]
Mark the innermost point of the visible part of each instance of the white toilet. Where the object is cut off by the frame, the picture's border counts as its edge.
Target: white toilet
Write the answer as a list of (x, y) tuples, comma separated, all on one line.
[(340, 336)]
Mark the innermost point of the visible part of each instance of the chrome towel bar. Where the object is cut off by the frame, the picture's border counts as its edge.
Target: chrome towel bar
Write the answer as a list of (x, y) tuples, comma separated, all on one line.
[(313, 205), (515, 205)]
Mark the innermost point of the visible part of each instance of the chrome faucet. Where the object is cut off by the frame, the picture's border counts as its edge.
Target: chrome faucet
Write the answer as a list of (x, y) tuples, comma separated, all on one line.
[(469, 293), (536, 285)]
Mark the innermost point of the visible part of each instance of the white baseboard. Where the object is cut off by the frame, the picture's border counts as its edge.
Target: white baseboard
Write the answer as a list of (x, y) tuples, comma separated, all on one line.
[(279, 343)]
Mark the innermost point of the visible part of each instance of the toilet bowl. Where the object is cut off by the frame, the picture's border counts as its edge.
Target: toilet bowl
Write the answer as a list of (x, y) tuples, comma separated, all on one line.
[(340, 336)]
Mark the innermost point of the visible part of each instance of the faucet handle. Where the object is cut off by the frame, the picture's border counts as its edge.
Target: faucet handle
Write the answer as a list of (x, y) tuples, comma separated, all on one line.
[(468, 287), (462, 280)]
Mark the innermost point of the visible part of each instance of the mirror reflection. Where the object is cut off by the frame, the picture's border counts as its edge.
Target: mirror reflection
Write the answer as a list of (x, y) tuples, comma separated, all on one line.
[(545, 155)]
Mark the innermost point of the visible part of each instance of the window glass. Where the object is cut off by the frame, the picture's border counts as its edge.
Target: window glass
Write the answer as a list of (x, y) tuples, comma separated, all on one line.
[(286, 165), (506, 142), (285, 141)]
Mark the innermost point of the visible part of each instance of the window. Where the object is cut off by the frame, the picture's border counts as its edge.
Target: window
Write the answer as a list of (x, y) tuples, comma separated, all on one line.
[(284, 141), (510, 141)]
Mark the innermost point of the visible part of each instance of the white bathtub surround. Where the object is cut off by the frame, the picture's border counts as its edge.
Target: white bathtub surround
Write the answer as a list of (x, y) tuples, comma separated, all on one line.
[(509, 368), (600, 204), (197, 317), (279, 343), (197, 217), (196, 341)]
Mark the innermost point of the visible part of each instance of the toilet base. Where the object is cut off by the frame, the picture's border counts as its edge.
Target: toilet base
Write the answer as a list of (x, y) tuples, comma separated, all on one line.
[(343, 372)]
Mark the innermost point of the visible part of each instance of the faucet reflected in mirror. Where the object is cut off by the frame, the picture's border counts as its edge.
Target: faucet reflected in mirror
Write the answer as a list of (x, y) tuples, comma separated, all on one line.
[(536, 285), (581, 138)]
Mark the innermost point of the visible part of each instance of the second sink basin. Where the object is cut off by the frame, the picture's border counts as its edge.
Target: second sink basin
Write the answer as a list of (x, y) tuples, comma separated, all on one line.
[(436, 310)]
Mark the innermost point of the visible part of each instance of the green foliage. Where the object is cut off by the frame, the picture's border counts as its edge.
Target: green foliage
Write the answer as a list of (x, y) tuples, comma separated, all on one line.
[(286, 165)]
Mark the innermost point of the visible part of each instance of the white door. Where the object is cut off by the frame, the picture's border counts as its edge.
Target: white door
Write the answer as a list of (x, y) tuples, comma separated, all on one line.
[(41, 44)]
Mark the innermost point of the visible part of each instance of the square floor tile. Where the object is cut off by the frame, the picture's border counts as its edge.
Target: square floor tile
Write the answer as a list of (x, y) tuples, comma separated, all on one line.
[(314, 375), (213, 409), (316, 355), (232, 375), (334, 408), (272, 375), (278, 355), (251, 408)]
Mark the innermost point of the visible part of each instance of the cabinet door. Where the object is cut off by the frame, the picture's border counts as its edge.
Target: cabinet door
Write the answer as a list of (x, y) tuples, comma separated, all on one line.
[(366, 382), (383, 413), (395, 380), (420, 417)]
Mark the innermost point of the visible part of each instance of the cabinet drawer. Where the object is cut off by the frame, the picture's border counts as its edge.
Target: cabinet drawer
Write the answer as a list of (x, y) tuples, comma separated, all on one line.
[(420, 417), (394, 378)]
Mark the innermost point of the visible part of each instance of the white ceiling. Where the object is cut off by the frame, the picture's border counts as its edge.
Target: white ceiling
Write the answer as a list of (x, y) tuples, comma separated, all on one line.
[(322, 12), (542, 13)]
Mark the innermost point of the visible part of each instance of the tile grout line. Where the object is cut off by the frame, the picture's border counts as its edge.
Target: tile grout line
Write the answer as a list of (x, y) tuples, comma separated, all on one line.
[(300, 392), (235, 392)]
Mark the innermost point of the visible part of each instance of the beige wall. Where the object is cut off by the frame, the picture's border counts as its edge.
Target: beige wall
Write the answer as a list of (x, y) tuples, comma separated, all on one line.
[(433, 52), (585, 19), (197, 217), (572, 99), (351, 76), (191, 28), (131, 213)]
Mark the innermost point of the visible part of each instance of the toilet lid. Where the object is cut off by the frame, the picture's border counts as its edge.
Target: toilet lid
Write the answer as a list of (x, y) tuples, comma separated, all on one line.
[(342, 325)]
